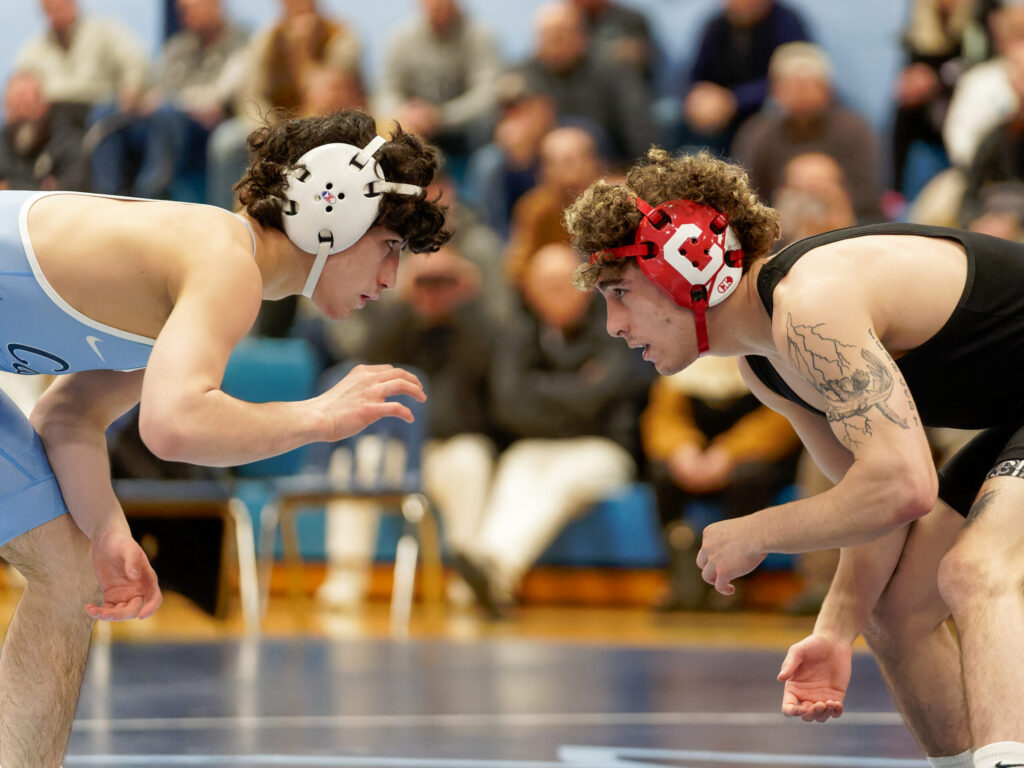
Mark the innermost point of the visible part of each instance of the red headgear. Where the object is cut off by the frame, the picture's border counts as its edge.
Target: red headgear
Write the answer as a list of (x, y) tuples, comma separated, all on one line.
[(690, 252)]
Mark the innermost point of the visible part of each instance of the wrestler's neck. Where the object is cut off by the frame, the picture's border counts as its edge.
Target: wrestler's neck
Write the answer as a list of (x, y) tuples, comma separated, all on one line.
[(740, 325), (282, 266)]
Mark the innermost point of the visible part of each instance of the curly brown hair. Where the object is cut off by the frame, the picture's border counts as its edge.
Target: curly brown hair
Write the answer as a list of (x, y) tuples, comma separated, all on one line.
[(605, 215), (275, 148)]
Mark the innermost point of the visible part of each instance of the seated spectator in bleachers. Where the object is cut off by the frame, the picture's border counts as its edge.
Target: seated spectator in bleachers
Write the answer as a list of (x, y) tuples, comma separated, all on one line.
[(439, 325), (707, 438), (804, 115), (941, 39), (614, 99), (37, 149), (478, 243), (89, 66), (569, 164), (502, 171), (277, 64), (984, 96), (438, 80), (998, 211), (566, 397), (162, 153), (813, 198), (620, 35), (1000, 157), (728, 77)]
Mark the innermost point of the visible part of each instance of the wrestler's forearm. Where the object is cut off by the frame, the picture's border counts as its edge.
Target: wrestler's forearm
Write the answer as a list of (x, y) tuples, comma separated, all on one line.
[(859, 581), (869, 502), (78, 456)]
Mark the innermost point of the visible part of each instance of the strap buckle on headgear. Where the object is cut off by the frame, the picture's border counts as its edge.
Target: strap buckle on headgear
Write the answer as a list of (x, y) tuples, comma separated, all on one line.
[(332, 198), (689, 250)]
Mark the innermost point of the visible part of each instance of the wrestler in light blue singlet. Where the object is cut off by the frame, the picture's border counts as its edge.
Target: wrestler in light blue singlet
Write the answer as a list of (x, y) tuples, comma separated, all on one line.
[(40, 333)]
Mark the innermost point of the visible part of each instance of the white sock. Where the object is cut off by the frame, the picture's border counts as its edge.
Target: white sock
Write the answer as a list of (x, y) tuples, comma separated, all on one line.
[(963, 760), (1002, 754)]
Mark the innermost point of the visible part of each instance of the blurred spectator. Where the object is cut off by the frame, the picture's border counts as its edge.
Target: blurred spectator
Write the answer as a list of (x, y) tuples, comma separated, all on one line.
[(728, 80), (569, 164), (984, 95), (1000, 158), (942, 39), (502, 171), (439, 326), (620, 35), (613, 98), (983, 98), (707, 438), (478, 243), (85, 62), (813, 198), (567, 397), (37, 149), (276, 68), (162, 153), (805, 116), (999, 211), (438, 80)]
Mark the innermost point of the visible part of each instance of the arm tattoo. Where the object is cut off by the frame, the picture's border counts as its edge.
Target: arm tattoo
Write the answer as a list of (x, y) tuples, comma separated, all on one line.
[(851, 387)]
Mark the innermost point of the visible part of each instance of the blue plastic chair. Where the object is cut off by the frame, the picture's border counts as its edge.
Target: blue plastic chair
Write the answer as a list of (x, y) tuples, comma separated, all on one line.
[(319, 484), (259, 370)]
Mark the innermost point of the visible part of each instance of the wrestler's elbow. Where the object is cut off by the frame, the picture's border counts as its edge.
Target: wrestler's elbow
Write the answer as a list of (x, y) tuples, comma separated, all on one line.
[(913, 490), (168, 435)]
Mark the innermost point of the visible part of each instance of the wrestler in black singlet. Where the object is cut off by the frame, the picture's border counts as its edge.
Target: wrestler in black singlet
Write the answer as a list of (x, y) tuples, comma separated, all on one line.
[(969, 375)]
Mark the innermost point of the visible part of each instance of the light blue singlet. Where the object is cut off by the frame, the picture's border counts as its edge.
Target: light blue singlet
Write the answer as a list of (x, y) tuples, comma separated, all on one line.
[(40, 333)]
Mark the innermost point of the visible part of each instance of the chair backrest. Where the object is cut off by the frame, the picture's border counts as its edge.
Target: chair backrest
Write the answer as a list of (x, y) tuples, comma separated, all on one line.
[(372, 454), (263, 370)]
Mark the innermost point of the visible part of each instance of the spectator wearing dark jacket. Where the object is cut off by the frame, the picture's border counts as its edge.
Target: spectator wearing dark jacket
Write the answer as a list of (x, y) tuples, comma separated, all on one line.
[(567, 397)]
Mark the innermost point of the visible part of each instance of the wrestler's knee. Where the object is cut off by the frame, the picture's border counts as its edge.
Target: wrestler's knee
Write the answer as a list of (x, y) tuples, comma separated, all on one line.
[(972, 571), (55, 556)]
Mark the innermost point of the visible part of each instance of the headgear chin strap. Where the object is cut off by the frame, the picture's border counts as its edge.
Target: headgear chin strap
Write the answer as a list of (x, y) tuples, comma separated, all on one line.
[(689, 251), (332, 198)]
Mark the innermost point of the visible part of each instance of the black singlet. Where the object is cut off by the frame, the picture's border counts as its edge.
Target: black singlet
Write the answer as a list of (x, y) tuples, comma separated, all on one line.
[(970, 373)]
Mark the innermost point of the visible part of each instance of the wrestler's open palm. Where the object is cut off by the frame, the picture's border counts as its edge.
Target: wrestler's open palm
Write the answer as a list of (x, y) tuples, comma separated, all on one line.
[(816, 672), (126, 578), (360, 399)]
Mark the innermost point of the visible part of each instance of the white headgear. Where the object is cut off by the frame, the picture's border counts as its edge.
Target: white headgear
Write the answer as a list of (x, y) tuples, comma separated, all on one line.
[(333, 198)]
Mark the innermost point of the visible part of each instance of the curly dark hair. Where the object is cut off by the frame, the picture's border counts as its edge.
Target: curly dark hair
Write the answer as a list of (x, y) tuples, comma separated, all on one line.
[(275, 148), (605, 215)]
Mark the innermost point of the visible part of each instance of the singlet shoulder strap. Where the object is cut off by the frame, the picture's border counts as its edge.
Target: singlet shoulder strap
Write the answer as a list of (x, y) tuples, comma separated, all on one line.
[(770, 377)]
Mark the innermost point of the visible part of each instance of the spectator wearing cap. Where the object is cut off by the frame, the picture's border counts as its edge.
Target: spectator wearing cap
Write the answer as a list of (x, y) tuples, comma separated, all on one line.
[(804, 115), (438, 78)]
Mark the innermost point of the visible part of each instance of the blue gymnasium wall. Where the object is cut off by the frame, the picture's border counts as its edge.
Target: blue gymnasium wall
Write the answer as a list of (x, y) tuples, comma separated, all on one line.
[(862, 37)]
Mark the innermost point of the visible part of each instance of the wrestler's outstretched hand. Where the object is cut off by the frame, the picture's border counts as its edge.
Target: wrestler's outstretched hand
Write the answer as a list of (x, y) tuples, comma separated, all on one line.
[(360, 398), (816, 672), (128, 581)]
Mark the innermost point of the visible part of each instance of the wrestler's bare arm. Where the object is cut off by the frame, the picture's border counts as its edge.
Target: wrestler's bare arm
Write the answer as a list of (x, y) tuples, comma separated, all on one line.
[(71, 418), (185, 416)]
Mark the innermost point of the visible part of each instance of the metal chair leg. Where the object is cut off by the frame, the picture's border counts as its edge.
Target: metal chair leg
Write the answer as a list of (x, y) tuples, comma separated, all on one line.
[(269, 519), (248, 581)]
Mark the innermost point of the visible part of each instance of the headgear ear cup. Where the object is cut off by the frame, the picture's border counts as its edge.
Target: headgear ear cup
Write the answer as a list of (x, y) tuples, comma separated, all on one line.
[(332, 198), (691, 252)]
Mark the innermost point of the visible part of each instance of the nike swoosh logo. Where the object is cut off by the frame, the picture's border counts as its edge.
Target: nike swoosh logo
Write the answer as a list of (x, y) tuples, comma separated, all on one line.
[(93, 342), (1001, 764)]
